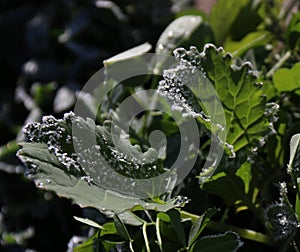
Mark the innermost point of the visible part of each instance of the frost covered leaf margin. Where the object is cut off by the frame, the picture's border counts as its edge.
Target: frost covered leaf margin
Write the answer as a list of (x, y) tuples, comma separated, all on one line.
[(54, 166), (248, 115)]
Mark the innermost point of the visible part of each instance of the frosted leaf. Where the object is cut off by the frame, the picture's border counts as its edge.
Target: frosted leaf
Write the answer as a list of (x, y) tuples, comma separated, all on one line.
[(280, 218), (88, 176), (54, 133), (191, 86), (281, 221), (94, 163)]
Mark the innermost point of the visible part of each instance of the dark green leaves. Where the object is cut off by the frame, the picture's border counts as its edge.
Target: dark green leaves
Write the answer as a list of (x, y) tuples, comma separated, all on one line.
[(287, 80), (228, 242), (280, 217), (199, 225), (220, 19), (176, 222), (228, 20), (281, 220), (104, 239), (235, 188), (122, 230)]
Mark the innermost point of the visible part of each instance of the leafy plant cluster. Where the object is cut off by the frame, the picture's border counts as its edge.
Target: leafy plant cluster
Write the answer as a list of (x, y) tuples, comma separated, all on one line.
[(48, 51), (249, 201)]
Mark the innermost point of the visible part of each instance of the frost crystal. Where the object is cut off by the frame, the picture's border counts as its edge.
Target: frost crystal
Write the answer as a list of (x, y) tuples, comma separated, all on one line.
[(210, 86), (92, 162), (189, 91), (280, 218), (57, 135), (177, 81), (174, 87)]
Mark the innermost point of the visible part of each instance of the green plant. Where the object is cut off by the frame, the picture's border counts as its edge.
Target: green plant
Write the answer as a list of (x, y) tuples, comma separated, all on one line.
[(252, 194)]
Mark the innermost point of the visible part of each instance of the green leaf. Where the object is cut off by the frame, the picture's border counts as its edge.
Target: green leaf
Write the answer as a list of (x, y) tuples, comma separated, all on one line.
[(287, 80), (129, 217), (245, 173), (97, 242), (294, 162), (281, 221), (280, 217), (51, 176), (53, 165), (269, 90), (129, 54), (109, 245), (234, 188), (194, 11), (127, 63), (227, 242), (163, 216), (245, 106), (181, 32), (248, 116), (294, 168), (241, 26), (229, 188), (199, 225), (109, 228), (8, 239), (89, 245), (122, 230), (223, 15), (251, 40), (88, 222), (176, 222)]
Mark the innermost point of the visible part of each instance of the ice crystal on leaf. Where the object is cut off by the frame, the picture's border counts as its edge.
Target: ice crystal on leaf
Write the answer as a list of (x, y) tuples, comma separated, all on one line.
[(86, 173), (280, 218), (57, 135), (200, 80)]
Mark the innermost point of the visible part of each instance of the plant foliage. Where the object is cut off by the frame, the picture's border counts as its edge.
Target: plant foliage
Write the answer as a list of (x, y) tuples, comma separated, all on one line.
[(235, 74)]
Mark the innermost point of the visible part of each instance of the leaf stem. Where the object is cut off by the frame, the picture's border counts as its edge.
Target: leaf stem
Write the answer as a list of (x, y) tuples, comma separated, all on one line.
[(146, 237), (159, 240), (130, 246), (252, 43), (284, 58), (242, 232)]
